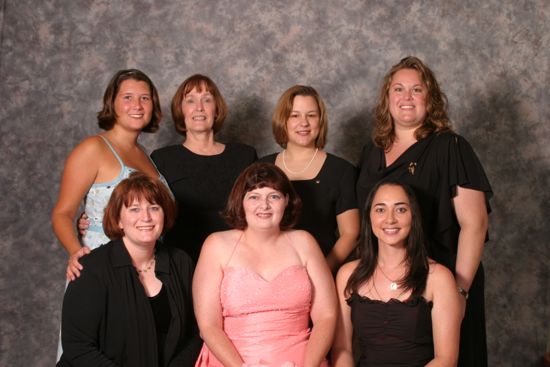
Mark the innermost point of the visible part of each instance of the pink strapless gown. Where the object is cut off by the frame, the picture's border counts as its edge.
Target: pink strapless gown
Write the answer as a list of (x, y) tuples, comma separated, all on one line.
[(267, 321)]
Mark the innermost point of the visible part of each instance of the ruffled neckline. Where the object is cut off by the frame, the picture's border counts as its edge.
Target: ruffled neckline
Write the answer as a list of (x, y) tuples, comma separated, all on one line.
[(412, 301)]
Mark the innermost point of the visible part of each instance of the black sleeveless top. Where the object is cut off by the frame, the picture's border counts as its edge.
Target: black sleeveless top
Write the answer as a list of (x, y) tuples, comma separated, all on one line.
[(393, 333), (161, 312)]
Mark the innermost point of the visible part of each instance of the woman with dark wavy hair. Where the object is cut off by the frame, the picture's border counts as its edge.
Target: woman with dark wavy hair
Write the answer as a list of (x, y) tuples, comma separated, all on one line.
[(400, 306), (413, 143), (256, 287)]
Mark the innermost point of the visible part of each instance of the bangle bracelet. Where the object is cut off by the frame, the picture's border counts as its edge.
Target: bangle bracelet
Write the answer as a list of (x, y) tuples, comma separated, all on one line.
[(463, 292)]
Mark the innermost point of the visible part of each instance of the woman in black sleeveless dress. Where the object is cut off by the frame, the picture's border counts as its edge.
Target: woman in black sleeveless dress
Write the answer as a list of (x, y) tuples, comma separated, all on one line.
[(399, 307)]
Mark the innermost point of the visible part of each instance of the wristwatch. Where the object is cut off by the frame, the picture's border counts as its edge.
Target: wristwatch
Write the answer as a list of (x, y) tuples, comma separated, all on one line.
[(463, 292)]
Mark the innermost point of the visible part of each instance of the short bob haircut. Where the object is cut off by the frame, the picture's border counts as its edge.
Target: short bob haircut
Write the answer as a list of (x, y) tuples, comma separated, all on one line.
[(138, 186), (256, 176), (284, 109), (106, 118), (367, 250), (200, 82), (436, 120)]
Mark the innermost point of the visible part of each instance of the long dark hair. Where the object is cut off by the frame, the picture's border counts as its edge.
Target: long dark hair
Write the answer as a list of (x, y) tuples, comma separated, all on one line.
[(416, 257)]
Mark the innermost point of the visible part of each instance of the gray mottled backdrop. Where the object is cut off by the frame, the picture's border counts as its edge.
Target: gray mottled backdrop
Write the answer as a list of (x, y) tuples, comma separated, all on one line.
[(491, 58)]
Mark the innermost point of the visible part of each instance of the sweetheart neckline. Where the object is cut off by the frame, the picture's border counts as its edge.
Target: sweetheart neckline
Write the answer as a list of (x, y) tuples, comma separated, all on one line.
[(257, 275)]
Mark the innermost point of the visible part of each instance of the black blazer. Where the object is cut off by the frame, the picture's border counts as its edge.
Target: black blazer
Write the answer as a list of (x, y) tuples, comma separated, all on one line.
[(107, 318)]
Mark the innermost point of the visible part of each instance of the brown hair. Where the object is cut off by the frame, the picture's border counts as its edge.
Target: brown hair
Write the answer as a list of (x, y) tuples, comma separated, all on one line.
[(436, 105), (141, 187), (284, 109), (200, 82), (256, 176), (106, 118)]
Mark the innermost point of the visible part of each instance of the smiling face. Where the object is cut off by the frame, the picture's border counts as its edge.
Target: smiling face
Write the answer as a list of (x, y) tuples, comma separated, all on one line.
[(199, 110), (133, 105), (141, 223), (303, 123), (390, 215), (407, 99), (264, 208)]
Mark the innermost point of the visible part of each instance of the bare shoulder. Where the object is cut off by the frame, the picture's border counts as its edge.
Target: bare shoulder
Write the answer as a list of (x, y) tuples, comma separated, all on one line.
[(439, 276), (307, 248), (219, 245), (348, 268), (302, 240), (92, 144), (91, 149)]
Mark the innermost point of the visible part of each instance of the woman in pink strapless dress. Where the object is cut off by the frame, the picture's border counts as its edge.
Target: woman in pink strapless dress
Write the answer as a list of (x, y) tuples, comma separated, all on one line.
[(257, 286)]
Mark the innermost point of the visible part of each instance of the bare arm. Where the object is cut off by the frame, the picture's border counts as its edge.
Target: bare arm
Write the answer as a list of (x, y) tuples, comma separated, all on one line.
[(324, 304), (206, 301), (348, 228), (471, 213), (79, 174), (342, 352), (446, 317)]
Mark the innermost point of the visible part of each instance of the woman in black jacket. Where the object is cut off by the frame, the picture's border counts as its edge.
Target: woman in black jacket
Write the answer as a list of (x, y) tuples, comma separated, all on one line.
[(132, 304)]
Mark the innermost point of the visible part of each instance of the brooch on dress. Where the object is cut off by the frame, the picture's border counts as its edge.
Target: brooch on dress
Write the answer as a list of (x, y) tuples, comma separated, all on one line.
[(412, 168)]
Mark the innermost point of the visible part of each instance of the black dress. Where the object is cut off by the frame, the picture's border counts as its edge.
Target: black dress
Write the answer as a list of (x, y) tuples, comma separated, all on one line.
[(393, 333), (107, 319), (434, 167), (324, 197), (201, 185)]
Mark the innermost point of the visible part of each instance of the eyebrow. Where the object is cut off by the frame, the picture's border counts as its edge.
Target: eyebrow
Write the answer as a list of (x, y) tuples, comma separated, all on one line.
[(414, 85), (398, 203), (310, 111)]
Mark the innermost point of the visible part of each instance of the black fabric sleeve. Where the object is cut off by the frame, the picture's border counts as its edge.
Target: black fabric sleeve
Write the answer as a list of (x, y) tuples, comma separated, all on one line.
[(83, 310), (347, 199), (465, 169)]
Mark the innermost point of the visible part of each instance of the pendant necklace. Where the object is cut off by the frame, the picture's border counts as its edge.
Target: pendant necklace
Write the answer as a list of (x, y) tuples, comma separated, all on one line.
[(393, 283), (306, 167), (147, 268)]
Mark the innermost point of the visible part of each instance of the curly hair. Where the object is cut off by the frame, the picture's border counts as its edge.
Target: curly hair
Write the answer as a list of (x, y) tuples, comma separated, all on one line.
[(436, 120)]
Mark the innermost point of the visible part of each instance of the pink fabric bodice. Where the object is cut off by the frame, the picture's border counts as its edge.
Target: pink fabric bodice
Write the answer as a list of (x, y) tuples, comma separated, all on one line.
[(266, 320)]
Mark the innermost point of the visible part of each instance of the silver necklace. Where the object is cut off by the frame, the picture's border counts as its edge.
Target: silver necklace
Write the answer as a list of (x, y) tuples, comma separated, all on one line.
[(306, 167), (393, 283), (147, 268)]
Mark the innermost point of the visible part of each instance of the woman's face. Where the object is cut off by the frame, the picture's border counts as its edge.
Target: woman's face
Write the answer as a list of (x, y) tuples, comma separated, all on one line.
[(133, 104), (199, 110), (264, 208), (390, 215), (303, 123), (407, 99), (142, 222)]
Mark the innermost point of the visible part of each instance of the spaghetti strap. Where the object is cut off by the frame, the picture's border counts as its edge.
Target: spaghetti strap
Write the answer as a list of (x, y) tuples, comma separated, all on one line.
[(234, 248), (292, 245), (113, 150)]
